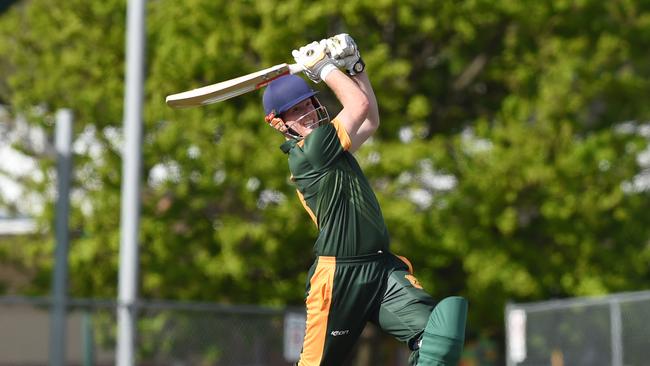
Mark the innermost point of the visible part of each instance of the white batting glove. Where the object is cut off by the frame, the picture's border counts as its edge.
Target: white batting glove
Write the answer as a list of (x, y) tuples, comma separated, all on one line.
[(341, 46), (314, 60), (343, 49)]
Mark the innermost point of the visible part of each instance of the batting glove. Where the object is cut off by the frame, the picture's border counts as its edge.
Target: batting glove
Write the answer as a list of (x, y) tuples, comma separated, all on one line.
[(314, 60), (275, 122), (343, 49), (340, 46)]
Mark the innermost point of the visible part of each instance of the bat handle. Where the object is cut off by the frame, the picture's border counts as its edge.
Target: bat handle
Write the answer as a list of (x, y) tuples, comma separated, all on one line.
[(295, 68)]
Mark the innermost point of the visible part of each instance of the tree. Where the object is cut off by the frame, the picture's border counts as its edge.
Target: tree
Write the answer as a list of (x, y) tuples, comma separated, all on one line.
[(498, 131)]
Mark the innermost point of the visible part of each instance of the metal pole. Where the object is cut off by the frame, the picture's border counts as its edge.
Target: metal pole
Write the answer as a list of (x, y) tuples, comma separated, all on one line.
[(131, 165), (617, 333), (63, 146), (88, 339)]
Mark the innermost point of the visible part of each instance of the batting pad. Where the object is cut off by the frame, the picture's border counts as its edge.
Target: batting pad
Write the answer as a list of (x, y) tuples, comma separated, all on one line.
[(444, 335)]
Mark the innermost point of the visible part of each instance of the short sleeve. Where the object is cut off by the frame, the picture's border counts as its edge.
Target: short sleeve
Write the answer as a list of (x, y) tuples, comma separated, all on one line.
[(326, 143)]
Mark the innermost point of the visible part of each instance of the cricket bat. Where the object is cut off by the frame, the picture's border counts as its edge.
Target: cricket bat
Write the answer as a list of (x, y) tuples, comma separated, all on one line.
[(230, 88)]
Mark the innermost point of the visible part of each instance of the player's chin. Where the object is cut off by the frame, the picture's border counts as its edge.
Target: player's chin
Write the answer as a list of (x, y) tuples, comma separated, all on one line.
[(306, 131)]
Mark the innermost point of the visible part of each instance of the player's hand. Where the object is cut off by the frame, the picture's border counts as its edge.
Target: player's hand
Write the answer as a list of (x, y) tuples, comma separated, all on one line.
[(276, 123), (344, 50), (314, 60), (341, 46)]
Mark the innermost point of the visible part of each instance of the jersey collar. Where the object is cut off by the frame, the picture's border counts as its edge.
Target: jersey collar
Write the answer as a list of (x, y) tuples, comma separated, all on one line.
[(288, 145)]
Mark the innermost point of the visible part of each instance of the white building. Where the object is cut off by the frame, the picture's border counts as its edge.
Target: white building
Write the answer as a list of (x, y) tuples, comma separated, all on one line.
[(15, 206)]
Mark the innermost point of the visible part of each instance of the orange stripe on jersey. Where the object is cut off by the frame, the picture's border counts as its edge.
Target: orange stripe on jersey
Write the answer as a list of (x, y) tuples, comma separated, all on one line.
[(318, 303), (342, 134), (407, 262), (309, 211)]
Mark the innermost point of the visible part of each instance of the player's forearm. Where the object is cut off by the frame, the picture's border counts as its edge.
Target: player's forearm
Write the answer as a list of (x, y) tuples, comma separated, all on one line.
[(354, 100), (371, 123), (372, 118)]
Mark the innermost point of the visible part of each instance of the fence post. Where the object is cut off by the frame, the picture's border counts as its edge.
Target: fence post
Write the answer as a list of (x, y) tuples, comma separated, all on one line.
[(131, 175), (617, 332), (63, 146), (515, 335), (88, 340)]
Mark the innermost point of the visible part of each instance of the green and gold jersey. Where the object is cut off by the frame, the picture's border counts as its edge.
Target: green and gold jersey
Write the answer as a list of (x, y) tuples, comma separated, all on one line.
[(336, 193)]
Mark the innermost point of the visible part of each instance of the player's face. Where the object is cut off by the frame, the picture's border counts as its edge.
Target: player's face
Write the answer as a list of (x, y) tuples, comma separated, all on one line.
[(302, 117)]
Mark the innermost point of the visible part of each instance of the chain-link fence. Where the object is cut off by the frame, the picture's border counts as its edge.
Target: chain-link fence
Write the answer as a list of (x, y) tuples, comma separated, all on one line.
[(171, 333), (612, 330)]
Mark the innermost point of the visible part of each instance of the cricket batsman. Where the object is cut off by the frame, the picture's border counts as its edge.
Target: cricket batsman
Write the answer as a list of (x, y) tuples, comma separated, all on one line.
[(354, 278)]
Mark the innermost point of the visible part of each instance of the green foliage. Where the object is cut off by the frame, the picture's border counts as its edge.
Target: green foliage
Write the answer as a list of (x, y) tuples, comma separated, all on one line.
[(512, 104)]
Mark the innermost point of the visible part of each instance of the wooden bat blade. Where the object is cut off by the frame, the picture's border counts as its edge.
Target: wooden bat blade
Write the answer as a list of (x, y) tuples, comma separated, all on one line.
[(230, 88)]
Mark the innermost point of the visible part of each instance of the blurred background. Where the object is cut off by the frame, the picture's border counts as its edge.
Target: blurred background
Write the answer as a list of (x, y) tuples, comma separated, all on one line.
[(512, 166)]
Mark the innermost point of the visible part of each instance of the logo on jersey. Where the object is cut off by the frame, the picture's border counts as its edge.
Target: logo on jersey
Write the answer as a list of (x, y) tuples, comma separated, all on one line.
[(414, 281), (336, 333)]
